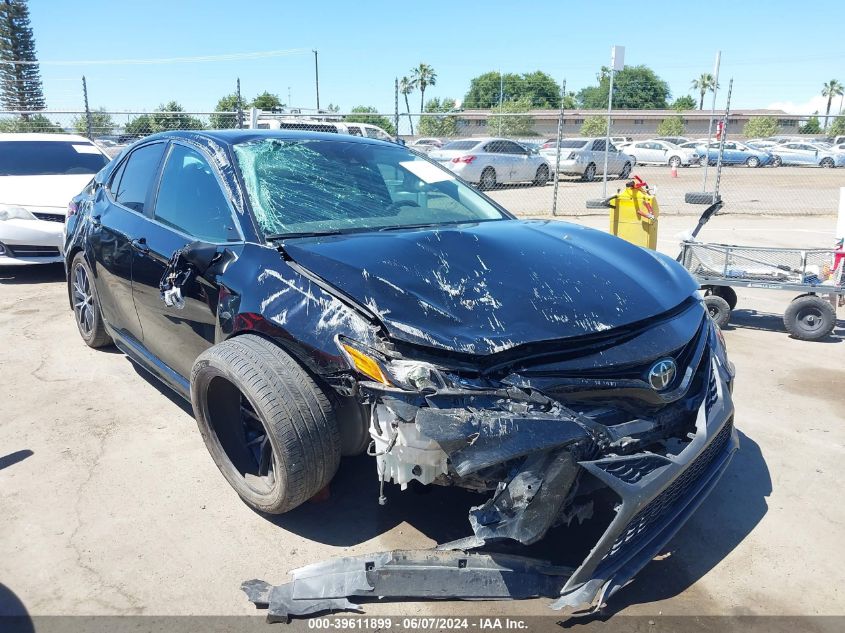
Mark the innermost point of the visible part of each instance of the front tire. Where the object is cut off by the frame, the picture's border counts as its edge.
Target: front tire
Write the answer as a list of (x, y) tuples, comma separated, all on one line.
[(626, 171), (86, 304), (675, 162), (752, 161), (777, 161), (269, 427), (809, 318), (589, 173), (827, 163), (542, 176), (718, 309), (488, 179)]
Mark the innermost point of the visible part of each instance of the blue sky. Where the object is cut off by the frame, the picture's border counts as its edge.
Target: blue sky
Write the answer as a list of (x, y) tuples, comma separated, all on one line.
[(777, 52)]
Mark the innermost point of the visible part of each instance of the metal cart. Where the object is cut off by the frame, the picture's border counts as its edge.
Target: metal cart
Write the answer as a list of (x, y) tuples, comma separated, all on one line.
[(816, 274)]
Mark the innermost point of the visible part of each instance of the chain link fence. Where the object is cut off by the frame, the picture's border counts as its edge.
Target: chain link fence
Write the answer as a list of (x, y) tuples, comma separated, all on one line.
[(552, 162)]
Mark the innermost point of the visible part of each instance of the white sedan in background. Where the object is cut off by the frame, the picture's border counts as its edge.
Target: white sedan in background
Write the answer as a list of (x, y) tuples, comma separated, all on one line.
[(39, 174), (662, 153), (492, 161)]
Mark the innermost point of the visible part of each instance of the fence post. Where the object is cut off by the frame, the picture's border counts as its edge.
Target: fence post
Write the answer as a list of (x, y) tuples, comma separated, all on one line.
[(559, 139), (396, 105), (240, 107), (89, 124)]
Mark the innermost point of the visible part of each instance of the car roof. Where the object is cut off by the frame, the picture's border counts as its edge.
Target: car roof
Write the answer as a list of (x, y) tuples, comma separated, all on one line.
[(233, 137), (33, 136)]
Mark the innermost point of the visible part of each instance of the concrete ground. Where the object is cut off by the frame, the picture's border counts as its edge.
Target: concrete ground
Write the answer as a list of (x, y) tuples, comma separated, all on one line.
[(792, 191), (110, 503)]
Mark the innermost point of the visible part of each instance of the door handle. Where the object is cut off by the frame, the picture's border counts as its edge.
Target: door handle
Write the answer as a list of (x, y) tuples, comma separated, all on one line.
[(140, 245)]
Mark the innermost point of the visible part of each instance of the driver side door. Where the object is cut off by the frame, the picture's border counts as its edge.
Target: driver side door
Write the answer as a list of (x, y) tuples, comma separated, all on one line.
[(189, 205)]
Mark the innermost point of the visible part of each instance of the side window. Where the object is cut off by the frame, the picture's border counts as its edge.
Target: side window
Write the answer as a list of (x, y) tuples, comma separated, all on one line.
[(494, 148), (598, 146), (190, 199), (513, 148), (354, 130), (136, 176), (612, 148)]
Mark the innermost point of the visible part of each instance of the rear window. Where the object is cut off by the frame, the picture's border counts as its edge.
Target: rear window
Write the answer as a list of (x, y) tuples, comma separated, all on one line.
[(460, 145), (49, 158)]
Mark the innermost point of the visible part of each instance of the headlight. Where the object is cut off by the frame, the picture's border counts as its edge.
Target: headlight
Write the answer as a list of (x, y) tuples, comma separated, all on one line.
[(405, 374), (15, 213)]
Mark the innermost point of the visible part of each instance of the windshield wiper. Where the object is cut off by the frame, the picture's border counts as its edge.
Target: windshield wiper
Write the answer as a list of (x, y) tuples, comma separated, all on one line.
[(290, 236)]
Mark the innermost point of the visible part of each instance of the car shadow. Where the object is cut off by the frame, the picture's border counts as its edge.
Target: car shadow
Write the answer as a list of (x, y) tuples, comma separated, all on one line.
[(769, 322), (728, 515), (14, 616), (36, 274), (13, 458), (161, 387)]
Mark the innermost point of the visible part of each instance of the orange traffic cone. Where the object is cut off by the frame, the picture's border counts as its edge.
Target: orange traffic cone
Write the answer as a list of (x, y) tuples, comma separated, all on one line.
[(674, 171)]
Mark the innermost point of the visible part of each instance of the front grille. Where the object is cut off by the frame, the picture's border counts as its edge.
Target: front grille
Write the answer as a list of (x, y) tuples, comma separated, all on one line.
[(634, 469), (647, 519), (50, 217), (23, 250)]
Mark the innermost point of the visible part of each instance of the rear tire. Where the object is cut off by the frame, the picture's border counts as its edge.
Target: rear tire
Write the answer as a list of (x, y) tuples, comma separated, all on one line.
[(777, 161), (718, 309), (675, 161), (488, 179), (809, 318), (269, 427), (753, 161), (827, 163), (727, 293), (86, 304), (626, 171), (542, 176)]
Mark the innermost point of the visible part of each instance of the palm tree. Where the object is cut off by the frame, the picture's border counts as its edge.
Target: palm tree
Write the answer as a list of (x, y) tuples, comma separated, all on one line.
[(831, 89), (704, 84), (406, 87), (423, 76)]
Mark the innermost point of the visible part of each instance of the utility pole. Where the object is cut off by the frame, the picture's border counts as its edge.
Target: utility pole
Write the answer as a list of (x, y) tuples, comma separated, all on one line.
[(396, 105), (317, 78), (89, 124), (501, 98), (712, 114), (617, 62), (559, 139), (239, 106)]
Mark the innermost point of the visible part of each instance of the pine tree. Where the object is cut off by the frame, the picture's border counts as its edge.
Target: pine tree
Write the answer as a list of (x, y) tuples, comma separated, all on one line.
[(20, 84)]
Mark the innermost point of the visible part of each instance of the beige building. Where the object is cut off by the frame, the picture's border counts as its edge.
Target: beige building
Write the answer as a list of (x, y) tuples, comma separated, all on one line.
[(633, 123)]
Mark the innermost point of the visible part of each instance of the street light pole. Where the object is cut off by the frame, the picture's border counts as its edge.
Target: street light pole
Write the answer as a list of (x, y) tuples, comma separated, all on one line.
[(317, 78)]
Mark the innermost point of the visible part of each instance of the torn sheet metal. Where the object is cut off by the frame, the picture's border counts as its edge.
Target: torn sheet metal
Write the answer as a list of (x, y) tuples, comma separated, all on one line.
[(410, 574)]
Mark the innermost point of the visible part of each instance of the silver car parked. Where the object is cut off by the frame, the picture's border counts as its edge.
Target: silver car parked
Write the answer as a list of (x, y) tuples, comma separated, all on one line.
[(492, 161), (585, 157), (808, 154), (662, 153)]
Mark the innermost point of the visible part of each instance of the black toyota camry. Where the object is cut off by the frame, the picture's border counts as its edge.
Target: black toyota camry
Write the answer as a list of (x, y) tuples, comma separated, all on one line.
[(320, 295)]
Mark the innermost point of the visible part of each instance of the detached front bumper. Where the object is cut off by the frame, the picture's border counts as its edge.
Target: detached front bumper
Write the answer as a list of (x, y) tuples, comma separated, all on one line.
[(656, 494)]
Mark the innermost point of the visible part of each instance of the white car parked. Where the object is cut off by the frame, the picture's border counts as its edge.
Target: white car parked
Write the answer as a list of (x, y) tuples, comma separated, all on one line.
[(662, 153), (39, 174), (492, 161)]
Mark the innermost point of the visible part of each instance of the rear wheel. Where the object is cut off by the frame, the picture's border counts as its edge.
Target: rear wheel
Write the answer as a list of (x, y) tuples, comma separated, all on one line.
[(542, 175), (626, 171), (86, 306), (590, 173), (488, 179), (809, 318), (675, 161), (269, 427), (727, 293), (753, 161), (777, 161), (718, 309)]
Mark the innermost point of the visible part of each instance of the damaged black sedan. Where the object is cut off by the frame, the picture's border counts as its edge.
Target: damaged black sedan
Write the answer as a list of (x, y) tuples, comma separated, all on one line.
[(317, 296)]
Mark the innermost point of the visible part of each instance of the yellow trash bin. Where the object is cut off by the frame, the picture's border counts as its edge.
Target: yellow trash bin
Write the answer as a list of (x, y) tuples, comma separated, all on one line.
[(634, 213)]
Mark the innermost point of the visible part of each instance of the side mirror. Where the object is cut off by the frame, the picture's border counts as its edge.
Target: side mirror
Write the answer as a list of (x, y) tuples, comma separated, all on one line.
[(200, 255)]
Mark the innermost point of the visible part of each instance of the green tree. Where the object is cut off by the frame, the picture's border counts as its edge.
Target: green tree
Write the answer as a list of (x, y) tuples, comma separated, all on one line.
[(367, 114), (837, 128), (422, 77), (30, 123), (20, 83), (812, 126), (487, 90), (671, 126), (704, 84), (594, 126), (101, 123), (333, 108), (168, 116), (226, 104), (267, 101), (440, 125), (510, 125), (634, 88), (761, 127), (406, 87), (831, 89), (683, 103)]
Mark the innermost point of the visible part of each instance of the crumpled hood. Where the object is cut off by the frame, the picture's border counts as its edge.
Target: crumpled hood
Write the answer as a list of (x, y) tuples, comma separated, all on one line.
[(42, 191), (486, 287)]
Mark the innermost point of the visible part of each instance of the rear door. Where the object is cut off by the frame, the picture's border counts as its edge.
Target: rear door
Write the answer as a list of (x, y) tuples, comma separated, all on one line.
[(189, 205), (116, 218), (522, 167)]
